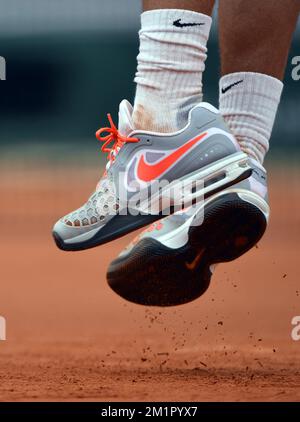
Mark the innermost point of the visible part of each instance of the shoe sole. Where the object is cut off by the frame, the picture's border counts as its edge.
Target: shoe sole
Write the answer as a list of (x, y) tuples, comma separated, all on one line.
[(156, 275)]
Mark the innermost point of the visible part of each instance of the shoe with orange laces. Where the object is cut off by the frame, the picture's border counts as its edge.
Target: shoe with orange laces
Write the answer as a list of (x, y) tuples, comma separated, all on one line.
[(138, 161), (172, 261)]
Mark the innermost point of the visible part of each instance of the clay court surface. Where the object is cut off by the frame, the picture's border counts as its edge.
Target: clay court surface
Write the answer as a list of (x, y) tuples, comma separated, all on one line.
[(70, 338)]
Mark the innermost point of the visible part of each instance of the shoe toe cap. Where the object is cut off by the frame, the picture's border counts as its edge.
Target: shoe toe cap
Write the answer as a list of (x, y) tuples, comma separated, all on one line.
[(64, 231)]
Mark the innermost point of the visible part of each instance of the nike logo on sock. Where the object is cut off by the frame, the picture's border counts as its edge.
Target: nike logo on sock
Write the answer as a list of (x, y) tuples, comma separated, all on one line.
[(182, 25), (227, 88)]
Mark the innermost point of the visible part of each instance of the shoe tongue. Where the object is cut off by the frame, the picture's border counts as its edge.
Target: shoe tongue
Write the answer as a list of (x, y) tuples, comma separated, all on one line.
[(125, 124)]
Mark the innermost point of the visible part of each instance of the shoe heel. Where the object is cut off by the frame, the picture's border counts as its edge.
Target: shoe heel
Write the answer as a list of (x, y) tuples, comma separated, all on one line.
[(231, 227)]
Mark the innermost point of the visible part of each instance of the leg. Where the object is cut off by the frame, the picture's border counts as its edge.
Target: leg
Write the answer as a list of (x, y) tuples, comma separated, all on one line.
[(255, 39), (255, 36), (222, 227), (171, 61), (200, 6)]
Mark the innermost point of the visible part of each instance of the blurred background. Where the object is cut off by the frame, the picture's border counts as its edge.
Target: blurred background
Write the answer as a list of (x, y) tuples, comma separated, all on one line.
[(69, 62)]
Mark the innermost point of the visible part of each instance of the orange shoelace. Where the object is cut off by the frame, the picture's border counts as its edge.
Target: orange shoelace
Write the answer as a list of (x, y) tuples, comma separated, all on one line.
[(114, 138)]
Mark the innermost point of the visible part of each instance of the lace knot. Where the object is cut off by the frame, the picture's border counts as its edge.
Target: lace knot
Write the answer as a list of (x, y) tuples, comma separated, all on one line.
[(114, 140)]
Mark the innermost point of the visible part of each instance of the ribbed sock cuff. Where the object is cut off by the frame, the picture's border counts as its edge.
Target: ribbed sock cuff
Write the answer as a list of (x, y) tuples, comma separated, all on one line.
[(246, 83), (248, 103)]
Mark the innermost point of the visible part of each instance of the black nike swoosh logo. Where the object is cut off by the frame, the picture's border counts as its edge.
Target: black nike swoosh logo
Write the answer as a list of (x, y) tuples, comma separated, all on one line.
[(227, 88), (182, 25)]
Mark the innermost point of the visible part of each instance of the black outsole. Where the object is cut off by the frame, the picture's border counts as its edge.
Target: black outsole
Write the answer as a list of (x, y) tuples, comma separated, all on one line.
[(156, 275), (119, 225)]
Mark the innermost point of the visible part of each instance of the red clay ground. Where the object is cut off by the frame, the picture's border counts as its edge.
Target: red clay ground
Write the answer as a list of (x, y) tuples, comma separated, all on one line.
[(70, 338)]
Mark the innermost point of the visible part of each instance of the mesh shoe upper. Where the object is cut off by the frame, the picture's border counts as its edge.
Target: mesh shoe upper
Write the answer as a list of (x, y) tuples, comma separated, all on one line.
[(101, 204)]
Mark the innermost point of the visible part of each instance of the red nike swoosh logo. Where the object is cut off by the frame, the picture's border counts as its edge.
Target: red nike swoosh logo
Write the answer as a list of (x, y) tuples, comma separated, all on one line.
[(147, 172)]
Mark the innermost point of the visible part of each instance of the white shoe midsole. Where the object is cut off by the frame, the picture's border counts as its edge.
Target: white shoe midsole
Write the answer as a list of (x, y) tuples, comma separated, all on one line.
[(196, 185), (256, 200), (83, 236)]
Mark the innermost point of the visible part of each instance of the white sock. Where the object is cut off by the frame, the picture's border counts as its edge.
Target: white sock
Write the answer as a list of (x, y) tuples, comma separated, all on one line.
[(170, 66), (248, 103)]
